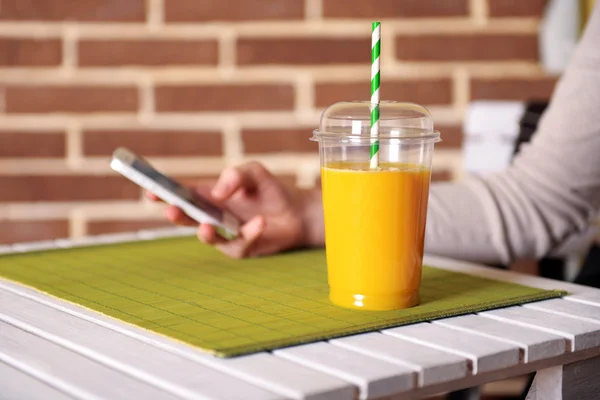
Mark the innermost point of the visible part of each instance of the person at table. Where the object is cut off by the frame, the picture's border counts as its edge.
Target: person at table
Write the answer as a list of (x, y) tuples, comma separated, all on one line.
[(549, 194)]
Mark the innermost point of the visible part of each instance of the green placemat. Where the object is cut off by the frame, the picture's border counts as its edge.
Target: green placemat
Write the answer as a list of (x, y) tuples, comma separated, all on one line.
[(187, 291)]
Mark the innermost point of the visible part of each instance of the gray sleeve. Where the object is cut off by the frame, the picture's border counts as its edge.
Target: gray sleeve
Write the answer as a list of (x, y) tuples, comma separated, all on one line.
[(551, 191)]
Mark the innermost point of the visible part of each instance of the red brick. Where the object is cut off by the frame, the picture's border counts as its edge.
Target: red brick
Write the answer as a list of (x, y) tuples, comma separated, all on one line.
[(115, 53), (70, 99), (516, 8), (30, 188), (382, 9), (31, 231), (235, 10), (484, 47), (211, 180), (441, 176), (303, 51), (153, 142), (32, 144), (259, 141), (114, 226), (17, 52), (512, 89), (451, 135), (73, 10), (225, 97), (436, 91)]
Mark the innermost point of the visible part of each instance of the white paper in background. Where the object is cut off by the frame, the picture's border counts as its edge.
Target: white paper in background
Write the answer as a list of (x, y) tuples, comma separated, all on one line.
[(559, 34), (491, 129)]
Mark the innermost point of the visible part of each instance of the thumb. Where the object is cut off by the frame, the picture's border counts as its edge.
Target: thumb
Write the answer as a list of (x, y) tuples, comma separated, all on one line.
[(250, 232), (253, 229)]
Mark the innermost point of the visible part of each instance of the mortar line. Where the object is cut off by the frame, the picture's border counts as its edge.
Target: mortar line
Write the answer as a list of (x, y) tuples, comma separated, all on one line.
[(155, 14)]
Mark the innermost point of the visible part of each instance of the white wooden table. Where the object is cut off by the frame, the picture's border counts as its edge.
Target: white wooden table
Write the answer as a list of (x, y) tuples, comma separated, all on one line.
[(51, 349)]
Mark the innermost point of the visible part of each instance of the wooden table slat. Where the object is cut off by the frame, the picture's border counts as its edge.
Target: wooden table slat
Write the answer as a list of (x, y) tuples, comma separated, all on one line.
[(34, 246), (537, 345), (96, 381), (149, 234), (97, 240), (569, 309), (17, 385), (262, 369), (507, 276), (375, 378), (486, 354), (432, 365), (183, 377), (286, 377), (321, 370), (591, 298), (581, 334)]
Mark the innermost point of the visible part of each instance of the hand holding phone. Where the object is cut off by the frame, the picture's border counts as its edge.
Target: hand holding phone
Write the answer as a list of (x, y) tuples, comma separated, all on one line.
[(197, 207)]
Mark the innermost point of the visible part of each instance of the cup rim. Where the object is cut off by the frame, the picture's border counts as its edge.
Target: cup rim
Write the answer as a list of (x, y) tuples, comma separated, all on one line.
[(418, 135)]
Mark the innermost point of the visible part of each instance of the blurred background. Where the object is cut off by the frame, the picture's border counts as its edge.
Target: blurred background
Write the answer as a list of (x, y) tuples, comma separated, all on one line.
[(195, 85)]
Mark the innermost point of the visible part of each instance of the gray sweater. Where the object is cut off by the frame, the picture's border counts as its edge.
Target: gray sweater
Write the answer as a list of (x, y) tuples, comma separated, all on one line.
[(549, 195)]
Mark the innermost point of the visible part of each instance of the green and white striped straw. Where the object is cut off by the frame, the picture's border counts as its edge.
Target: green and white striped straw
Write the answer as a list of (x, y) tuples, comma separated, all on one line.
[(375, 50)]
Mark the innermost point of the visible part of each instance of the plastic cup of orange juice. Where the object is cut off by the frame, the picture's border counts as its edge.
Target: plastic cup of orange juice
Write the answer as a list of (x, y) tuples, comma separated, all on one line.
[(375, 217)]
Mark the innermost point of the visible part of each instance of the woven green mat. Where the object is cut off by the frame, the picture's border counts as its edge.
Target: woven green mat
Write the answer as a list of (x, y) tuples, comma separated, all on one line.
[(187, 291)]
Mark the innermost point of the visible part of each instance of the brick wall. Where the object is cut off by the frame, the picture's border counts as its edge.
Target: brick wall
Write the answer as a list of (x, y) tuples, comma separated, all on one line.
[(196, 85)]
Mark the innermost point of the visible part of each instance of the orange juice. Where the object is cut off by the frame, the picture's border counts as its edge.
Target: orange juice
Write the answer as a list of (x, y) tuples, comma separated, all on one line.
[(374, 233)]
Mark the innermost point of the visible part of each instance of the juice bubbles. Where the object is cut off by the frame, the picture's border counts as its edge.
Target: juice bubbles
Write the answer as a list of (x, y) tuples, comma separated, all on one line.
[(374, 233), (375, 216)]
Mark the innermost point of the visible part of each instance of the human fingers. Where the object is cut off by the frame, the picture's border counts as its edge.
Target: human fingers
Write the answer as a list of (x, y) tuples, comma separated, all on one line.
[(247, 176), (249, 233), (178, 217), (208, 234)]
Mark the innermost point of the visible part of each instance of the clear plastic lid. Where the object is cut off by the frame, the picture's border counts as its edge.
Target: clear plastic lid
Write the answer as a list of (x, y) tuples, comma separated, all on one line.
[(397, 120)]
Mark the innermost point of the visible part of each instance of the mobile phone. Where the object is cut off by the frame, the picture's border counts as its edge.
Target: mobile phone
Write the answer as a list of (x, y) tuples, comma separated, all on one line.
[(139, 171)]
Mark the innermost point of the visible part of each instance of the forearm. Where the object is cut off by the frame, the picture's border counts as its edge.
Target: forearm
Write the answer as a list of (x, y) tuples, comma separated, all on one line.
[(458, 223)]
